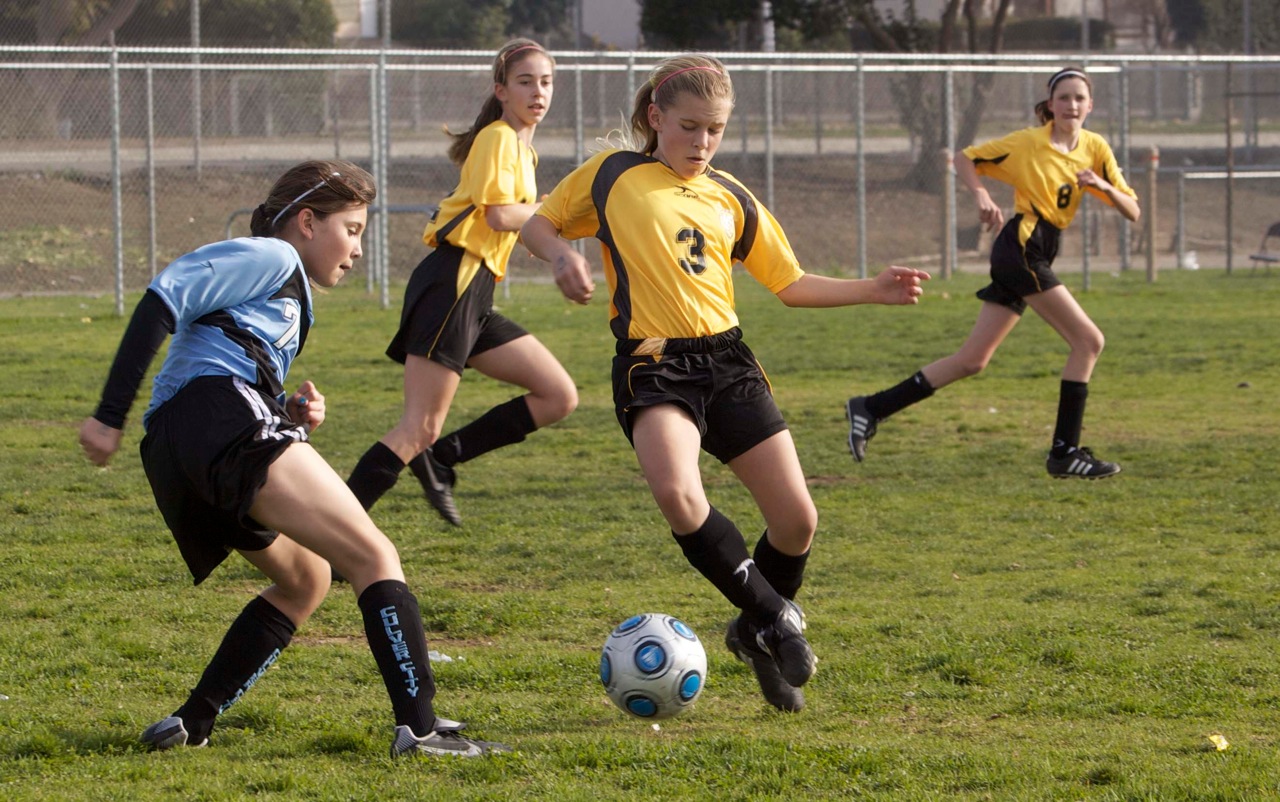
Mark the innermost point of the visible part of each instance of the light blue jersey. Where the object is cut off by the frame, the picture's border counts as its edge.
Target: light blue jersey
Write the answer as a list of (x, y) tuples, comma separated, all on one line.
[(241, 308)]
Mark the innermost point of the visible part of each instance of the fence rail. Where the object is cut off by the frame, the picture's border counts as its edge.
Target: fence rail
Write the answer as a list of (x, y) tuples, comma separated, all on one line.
[(118, 159)]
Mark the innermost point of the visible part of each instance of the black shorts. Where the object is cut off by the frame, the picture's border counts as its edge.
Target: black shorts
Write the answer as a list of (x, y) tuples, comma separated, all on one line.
[(437, 324), (1019, 270), (206, 453), (716, 379)]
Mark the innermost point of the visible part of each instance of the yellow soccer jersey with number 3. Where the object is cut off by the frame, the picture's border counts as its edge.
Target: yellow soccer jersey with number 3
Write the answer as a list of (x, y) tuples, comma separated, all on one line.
[(669, 243), (1043, 177)]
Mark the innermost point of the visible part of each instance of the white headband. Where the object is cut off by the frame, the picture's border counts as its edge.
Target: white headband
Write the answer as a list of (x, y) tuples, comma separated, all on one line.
[(1065, 74), (294, 202)]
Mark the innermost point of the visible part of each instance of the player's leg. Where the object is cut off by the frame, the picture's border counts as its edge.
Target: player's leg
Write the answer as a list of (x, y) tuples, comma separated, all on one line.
[(551, 396), (429, 388), (1059, 308), (995, 322), (252, 644), (771, 472), (305, 499)]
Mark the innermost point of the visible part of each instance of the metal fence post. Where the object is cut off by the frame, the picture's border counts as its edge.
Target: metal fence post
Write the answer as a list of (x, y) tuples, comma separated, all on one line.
[(949, 249), (1125, 112), (1153, 168), (375, 220), (860, 134), (151, 171), (117, 210), (768, 136), (384, 181)]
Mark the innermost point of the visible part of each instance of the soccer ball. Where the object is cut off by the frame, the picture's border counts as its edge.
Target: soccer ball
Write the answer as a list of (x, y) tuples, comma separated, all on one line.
[(653, 666)]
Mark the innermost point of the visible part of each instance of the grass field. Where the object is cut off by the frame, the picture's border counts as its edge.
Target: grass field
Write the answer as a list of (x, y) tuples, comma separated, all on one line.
[(985, 632)]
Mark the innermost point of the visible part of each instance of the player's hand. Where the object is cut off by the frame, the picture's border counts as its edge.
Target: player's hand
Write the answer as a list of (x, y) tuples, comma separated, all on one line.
[(99, 440), (989, 212), (573, 276), (306, 406), (1088, 178), (900, 285)]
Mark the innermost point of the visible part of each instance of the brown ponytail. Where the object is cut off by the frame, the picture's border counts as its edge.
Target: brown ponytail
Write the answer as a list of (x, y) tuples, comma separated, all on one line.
[(324, 187)]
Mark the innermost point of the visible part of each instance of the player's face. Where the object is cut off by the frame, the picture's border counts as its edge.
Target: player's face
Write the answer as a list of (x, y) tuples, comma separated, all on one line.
[(689, 132), (334, 244), (526, 96), (1071, 101)]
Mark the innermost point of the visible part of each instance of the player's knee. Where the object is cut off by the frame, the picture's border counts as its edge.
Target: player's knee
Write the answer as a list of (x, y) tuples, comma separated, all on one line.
[(970, 365), (564, 401)]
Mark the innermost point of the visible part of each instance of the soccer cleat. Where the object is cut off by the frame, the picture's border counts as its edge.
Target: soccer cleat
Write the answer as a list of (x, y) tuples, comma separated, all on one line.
[(438, 486), (1081, 463), (445, 740), (862, 426), (783, 640), (775, 689), (167, 734)]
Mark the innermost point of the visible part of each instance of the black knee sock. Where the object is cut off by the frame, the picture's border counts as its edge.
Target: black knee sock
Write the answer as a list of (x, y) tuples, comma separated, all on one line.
[(251, 645), (393, 625), (375, 474), (784, 572), (900, 396), (719, 553), (501, 426), (1071, 401)]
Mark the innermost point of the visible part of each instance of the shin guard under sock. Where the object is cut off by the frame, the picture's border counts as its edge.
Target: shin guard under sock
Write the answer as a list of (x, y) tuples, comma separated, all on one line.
[(900, 396), (501, 426), (252, 643), (719, 553), (1066, 432), (376, 473), (393, 625), (784, 572)]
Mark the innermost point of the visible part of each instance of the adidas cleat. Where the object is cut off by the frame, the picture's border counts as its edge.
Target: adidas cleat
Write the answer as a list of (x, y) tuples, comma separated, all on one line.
[(862, 426), (1080, 463)]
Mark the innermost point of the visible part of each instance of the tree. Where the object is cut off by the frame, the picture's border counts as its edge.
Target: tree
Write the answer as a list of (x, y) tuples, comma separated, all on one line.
[(700, 24), (960, 28), (450, 23)]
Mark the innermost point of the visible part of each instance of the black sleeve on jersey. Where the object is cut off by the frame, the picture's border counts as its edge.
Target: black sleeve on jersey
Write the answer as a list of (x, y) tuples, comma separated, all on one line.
[(151, 323)]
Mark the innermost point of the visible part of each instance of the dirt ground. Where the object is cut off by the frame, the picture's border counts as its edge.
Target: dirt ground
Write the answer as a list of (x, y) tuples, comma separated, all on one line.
[(57, 231)]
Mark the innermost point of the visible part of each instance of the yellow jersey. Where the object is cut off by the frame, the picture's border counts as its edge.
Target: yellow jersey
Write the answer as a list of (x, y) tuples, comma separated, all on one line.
[(498, 171), (670, 243), (1043, 177)]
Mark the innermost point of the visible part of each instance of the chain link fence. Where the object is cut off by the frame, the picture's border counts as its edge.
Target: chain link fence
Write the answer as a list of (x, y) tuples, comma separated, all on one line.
[(115, 161)]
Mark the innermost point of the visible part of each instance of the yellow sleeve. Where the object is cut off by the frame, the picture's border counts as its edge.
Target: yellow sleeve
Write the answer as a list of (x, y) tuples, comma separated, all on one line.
[(1106, 166), (763, 248), (993, 159), (570, 207), (493, 179)]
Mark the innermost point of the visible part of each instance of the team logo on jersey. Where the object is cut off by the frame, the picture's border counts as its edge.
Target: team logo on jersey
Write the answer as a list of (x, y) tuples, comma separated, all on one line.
[(684, 192), (728, 222)]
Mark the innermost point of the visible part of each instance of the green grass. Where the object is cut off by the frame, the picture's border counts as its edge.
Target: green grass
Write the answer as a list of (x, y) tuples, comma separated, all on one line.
[(985, 632)]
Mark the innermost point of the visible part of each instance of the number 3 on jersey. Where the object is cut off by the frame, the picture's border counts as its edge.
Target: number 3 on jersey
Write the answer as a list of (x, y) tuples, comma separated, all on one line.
[(693, 239)]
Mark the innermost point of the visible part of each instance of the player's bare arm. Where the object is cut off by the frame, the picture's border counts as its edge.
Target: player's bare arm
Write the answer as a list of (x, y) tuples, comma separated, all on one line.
[(1124, 203), (894, 286), (571, 270)]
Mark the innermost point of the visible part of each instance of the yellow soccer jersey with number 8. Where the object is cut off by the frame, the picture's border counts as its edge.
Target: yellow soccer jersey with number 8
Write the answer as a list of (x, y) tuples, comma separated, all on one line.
[(1043, 177)]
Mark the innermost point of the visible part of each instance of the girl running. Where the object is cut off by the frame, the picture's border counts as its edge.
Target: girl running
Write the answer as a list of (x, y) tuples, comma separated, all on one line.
[(448, 322), (1049, 166)]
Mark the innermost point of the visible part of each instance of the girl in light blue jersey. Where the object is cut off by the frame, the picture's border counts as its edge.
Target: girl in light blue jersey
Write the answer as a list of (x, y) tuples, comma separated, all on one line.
[(227, 454)]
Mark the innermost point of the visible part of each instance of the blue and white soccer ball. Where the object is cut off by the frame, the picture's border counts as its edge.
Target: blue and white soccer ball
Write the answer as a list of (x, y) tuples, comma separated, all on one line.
[(653, 666)]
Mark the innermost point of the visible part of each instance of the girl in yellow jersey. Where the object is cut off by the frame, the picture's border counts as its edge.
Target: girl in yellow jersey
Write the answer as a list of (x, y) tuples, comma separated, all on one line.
[(1050, 167), (671, 227), (448, 322)]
